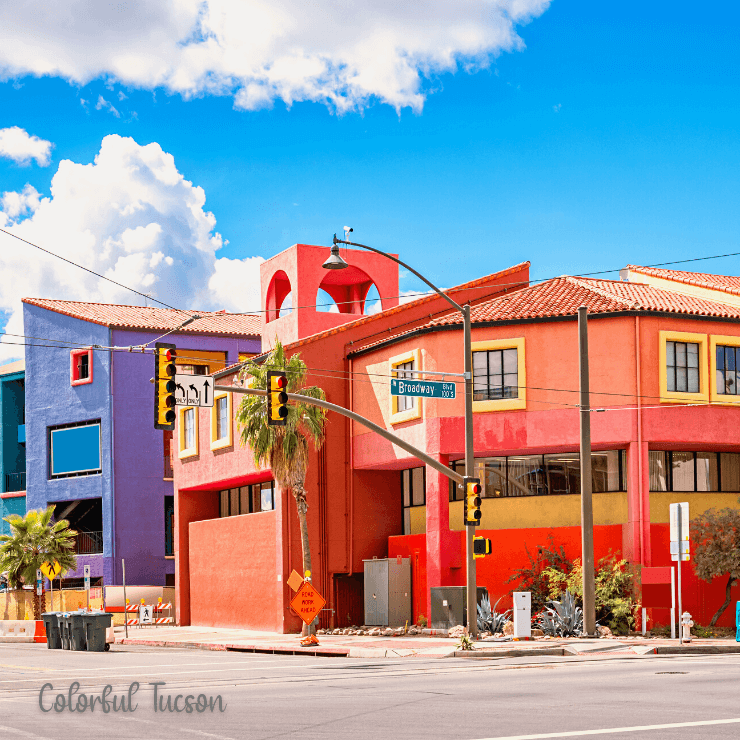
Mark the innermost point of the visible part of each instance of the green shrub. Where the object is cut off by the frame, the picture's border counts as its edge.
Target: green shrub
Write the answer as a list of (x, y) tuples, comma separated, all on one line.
[(616, 606)]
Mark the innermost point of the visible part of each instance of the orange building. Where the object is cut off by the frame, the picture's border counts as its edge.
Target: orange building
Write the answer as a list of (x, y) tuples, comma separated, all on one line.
[(662, 350)]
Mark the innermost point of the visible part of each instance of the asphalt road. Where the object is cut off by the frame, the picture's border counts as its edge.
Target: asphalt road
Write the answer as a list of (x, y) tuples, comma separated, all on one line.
[(267, 696)]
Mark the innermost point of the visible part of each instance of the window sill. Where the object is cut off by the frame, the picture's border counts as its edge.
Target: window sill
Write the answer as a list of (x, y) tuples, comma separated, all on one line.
[(184, 454), (503, 404), (401, 417), (678, 397), (221, 444), (169, 557)]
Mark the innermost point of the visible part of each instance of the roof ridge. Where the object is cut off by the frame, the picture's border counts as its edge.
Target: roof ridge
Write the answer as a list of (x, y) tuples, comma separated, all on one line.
[(583, 282)]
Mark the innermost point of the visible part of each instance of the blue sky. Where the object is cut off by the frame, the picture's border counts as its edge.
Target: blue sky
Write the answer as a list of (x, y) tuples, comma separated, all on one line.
[(611, 138)]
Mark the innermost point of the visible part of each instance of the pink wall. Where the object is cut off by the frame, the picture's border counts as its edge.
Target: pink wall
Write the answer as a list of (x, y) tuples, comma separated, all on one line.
[(232, 572)]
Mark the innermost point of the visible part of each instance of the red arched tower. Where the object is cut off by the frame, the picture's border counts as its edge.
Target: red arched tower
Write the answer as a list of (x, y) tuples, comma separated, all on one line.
[(295, 276)]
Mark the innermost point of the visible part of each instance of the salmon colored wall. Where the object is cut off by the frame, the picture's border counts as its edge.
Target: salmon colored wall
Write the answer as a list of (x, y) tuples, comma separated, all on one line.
[(341, 497), (509, 554), (701, 599), (232, 572), (189, 507)]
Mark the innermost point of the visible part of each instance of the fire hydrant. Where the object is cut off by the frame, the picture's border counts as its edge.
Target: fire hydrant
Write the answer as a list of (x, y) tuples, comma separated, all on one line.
[(686, 625)]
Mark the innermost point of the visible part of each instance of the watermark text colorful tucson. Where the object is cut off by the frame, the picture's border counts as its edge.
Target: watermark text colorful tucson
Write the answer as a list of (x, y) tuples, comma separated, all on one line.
[(73, 700)]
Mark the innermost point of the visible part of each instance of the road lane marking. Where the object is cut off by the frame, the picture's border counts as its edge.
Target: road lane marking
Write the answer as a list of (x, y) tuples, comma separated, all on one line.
[(610, 730), (23, 733), (25, 667)]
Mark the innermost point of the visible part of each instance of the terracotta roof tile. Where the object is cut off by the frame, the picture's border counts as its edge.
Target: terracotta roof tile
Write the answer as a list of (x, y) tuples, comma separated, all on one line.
[(426, 298), (154, 319), (564, 295), (725, 283)]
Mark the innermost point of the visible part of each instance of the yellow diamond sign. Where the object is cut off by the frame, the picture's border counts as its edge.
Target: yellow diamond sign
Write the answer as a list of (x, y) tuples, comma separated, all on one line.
[(51, 570)]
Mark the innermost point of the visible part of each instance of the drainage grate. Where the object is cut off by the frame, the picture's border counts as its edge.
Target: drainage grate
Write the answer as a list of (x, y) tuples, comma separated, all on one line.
[(671, 673)]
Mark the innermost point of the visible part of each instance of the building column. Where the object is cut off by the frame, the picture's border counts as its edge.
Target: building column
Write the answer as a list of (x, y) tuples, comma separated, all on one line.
[(637, 547), (443, 546)]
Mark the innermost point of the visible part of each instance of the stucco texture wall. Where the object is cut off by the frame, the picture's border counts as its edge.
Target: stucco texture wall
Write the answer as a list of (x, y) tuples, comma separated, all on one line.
[(233, 580)]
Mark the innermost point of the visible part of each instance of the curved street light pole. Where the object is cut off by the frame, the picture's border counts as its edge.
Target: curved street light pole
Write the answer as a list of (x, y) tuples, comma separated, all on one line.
[(335, 261)]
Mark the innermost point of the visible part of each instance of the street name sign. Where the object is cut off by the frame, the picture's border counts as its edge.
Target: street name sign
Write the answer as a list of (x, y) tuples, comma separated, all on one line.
[(307, 602), (194, 390), (422, 388)]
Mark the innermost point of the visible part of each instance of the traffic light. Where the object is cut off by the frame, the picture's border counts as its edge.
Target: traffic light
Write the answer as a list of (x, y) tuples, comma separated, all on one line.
[(277, 398), (164, 385), (472, 502), (481, 547)]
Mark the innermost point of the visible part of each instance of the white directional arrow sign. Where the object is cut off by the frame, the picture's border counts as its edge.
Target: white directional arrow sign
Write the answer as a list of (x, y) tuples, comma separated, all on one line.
[(194, 390)]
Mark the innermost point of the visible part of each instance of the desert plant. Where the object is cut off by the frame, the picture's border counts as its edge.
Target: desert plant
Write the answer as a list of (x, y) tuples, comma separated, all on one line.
[(531, 578), (465, 643), (615, 602), (561, 618), (422, 621), (490, 620)]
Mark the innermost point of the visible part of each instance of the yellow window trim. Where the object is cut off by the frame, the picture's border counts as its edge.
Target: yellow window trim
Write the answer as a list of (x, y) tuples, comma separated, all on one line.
[(667, 396), (228, 440), (399, 417), (715, 397), (505, 404), (183, 451)]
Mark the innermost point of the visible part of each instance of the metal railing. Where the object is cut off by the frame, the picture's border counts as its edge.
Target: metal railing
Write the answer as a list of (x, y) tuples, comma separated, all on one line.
[(15, 481), (89, 543)]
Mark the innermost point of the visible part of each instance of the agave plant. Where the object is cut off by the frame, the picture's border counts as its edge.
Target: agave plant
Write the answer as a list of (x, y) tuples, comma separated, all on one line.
[(562, 618), (489, 620)]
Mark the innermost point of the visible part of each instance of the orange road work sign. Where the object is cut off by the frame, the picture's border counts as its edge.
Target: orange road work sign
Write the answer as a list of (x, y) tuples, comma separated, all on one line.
[(308, 602)]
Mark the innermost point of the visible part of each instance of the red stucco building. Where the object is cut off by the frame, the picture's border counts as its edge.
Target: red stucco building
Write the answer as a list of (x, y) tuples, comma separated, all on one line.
[(664, 429)]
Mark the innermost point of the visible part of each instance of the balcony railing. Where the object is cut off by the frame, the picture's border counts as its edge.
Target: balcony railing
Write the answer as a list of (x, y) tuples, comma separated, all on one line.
[(15, 481), (89, 543)]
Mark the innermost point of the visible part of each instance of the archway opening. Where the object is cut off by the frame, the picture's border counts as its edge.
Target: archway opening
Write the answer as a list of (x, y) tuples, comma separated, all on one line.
[(372, 301), (286, 306), (278, 293), (325, 303)]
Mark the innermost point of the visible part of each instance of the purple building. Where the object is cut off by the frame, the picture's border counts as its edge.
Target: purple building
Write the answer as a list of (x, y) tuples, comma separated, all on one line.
[(91, 446)]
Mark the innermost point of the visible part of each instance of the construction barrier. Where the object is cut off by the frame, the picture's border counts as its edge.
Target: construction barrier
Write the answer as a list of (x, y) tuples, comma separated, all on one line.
[(156, 620), (22, 630)]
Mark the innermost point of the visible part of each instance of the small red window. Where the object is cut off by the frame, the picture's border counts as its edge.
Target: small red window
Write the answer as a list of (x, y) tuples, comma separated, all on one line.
[(81, 366)]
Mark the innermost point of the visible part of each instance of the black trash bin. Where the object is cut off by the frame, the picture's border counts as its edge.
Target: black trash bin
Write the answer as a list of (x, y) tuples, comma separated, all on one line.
[(95, 625), (51, 625), (76, 630), (63, 622)]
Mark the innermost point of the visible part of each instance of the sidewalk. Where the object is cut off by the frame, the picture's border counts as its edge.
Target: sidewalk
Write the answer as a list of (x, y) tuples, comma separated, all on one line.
[(353, 646)]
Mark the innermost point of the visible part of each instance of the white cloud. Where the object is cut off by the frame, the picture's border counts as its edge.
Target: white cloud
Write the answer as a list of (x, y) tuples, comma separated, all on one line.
[(104, 104), (18, 145), (342, 53), (20, 204), (131, 216)]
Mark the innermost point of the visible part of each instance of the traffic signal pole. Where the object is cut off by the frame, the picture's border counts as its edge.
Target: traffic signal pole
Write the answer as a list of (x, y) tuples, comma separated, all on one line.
[(471, 582)]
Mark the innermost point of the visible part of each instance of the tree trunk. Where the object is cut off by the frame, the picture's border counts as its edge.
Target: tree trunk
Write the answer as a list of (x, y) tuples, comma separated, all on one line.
[(37, 602), (724, 606), (299, 493)]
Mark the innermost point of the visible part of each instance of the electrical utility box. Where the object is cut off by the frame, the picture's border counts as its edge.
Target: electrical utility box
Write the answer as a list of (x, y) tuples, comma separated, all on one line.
[(387, 592), (522, 614), (449, 607)]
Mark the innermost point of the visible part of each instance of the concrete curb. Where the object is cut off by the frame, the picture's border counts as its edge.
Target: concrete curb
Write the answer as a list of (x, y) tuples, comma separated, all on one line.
[(511, 653), (319, 651)]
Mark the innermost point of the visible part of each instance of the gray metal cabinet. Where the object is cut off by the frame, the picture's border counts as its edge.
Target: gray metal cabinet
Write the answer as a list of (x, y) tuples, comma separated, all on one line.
[(387, 591)]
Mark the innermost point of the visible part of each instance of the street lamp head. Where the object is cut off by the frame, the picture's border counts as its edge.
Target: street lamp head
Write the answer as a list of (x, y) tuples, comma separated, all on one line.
[(335, 261)]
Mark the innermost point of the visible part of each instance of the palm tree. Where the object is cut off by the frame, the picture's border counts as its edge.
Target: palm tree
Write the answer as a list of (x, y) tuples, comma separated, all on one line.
[(284, 448), (36, 539)]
